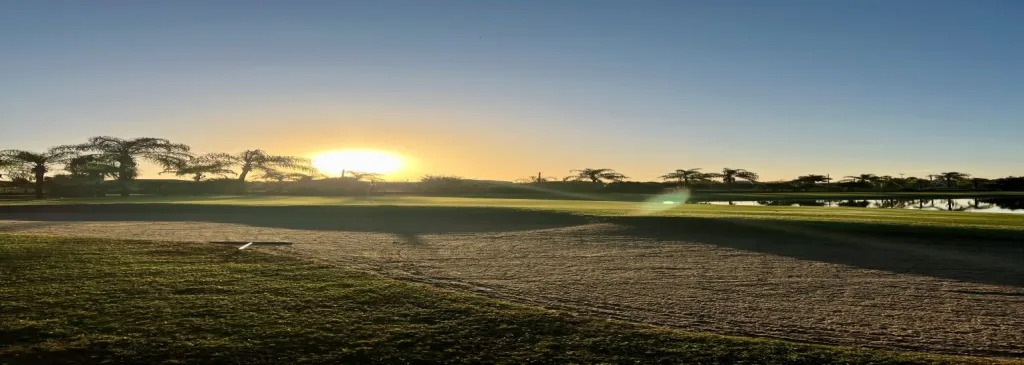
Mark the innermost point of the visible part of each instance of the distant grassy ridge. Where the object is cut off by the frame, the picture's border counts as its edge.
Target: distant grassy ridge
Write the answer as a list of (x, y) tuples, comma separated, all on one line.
[(655, 208), (95, 301)]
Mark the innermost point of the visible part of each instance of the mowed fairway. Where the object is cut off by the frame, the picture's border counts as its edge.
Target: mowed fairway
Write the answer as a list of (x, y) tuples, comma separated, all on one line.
[(941, 282), (108, 301)]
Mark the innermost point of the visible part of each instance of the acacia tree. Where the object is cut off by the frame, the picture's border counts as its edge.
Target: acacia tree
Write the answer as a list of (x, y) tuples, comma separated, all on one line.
[(812, 179), (200, 167), (864, 178), (91, 171), (595, 175), (952, 178), (686, 176), (37, 163), (809, 181), (125, 153), (729, 176), (260, 161)]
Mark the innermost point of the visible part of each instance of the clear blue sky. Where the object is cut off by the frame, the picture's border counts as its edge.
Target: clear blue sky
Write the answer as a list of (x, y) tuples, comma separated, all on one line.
[(503, 89)]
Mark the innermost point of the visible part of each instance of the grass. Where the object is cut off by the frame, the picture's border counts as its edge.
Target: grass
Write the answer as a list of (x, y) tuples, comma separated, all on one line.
[(96, 301), (840, 195), (894, 217), (740, 195)]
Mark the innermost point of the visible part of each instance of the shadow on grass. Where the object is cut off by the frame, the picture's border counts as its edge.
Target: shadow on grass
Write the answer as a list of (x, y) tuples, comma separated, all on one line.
[(407, 222), (976, 255), (984, 256)]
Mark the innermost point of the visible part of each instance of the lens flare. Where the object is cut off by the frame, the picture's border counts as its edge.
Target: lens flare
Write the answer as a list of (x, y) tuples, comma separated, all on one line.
[(662, 202)]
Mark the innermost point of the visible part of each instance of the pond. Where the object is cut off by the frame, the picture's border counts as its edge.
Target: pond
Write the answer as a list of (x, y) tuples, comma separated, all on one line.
[(987, 205)]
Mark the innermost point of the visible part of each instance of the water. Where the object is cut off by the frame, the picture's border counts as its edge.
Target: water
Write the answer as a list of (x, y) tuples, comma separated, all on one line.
[(985, 205)]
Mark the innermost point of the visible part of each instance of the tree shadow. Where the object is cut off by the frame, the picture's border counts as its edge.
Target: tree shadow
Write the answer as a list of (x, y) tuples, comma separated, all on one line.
[(975, 255), (406, 222), (983, 256)]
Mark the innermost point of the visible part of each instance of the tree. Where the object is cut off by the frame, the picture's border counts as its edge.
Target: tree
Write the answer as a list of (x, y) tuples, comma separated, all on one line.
[(812, 179), (125, 153), (978, 182), (595, 175), (200, 167), (952, 178), (90, 171), (280, 177), (729, 176), (686, 176), (259, 161), (37, 163), (91, 166), (809, 181), (369, 176), (864, 178)]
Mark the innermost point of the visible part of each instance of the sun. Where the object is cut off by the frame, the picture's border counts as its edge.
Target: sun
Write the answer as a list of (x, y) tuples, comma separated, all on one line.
[(365, 161)]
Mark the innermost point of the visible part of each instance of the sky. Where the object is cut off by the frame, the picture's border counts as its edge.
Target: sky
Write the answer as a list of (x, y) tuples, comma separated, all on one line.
[(507, 89)]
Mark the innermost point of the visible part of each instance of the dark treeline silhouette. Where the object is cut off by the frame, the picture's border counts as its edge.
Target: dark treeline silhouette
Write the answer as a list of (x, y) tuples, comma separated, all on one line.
[(104, 165), (109, 164)]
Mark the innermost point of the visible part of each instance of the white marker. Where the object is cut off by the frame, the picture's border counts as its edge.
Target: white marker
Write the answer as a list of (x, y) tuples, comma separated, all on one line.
[(245, 245)]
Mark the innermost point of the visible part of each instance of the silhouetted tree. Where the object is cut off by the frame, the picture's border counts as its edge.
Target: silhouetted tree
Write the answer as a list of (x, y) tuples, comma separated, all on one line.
[(978, 182), (125, 153), (199, 167), (37, 163), (952, 178), (686, 176), (595, 175), (808, 181), (90, 171), (729, 176), (866, 179), (92, 166), (813, 179), (259, 161)]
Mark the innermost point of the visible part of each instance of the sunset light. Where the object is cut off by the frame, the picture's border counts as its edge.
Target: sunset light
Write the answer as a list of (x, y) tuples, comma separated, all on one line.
[(333, 163), (452, 181)]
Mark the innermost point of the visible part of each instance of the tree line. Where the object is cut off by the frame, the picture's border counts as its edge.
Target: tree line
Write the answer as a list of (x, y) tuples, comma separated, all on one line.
[(104, 157), (728, 177)]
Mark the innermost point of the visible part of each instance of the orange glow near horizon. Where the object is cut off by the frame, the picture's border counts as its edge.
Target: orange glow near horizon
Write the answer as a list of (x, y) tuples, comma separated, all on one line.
[(333, 163)]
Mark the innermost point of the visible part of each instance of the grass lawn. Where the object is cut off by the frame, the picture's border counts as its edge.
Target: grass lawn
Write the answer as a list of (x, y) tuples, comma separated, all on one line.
[(93, 301), (656, 207)]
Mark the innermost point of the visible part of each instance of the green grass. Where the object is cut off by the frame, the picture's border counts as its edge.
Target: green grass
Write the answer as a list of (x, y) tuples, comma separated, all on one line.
[(900, 217), (96, 301), (761, 195), (839, 195)]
